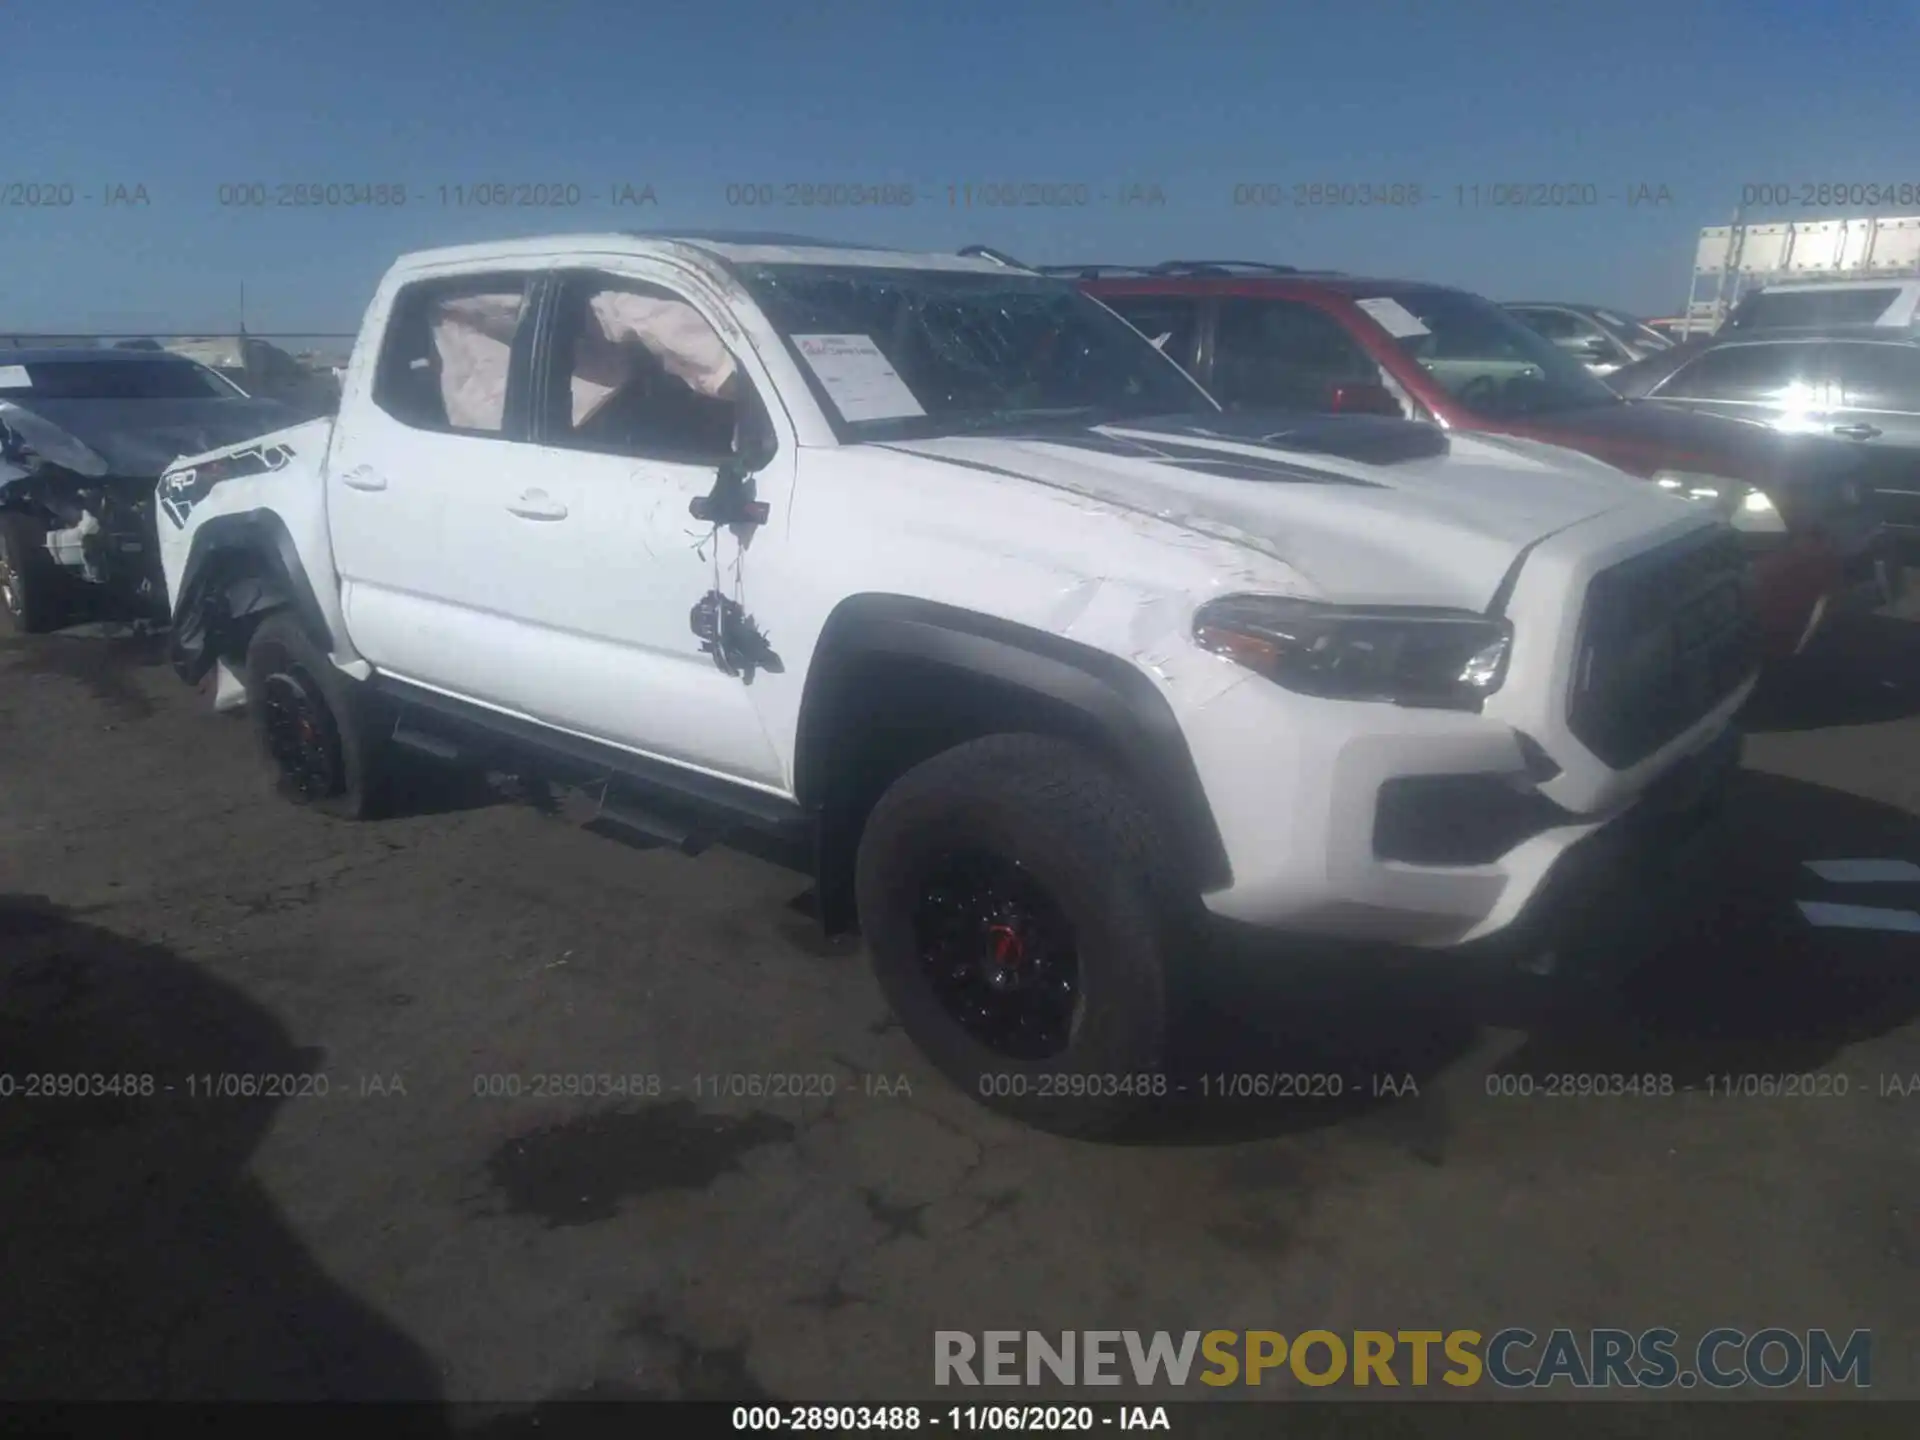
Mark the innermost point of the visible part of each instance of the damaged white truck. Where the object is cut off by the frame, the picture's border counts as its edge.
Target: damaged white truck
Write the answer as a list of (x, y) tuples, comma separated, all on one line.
[(938, 569)]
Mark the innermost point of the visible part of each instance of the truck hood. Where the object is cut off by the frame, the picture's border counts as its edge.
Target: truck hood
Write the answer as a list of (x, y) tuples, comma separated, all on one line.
[(1380, 510), (137, 438)]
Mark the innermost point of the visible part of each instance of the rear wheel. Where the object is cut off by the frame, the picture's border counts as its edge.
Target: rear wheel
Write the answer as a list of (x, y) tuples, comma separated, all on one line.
[(31, 584), (312, 726), (1024, 915)]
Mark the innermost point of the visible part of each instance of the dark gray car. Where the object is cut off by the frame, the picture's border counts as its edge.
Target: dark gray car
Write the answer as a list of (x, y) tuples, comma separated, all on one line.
[(1860, 384), (84, 435)]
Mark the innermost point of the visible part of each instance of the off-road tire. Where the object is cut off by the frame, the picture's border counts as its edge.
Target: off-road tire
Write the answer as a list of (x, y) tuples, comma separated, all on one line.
[(37, 584), (285, 670), (1077, 828)]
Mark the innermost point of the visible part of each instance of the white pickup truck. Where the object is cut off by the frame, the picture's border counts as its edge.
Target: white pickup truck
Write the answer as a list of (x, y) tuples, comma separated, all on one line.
[(939, 567)]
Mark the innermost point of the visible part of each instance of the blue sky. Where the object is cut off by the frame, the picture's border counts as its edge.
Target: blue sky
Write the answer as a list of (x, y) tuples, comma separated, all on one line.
[(1193, 96)]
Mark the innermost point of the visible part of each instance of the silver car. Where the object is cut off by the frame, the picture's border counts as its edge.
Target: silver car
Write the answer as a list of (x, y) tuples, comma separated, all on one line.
[(1860, 384), (1603, 340), (1892, 303)]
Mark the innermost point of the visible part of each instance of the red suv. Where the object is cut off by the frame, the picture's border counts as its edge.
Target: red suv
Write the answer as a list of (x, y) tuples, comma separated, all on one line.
[(1272, 338)]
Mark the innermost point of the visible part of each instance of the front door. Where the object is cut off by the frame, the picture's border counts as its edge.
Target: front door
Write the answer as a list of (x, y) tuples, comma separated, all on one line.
[(620, 616)]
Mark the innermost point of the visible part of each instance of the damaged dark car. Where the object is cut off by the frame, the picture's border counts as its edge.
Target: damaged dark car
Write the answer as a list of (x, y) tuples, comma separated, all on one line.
[(84, 435)]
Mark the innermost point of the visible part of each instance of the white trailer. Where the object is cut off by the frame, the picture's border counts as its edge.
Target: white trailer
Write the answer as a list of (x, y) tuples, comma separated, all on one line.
[(1731, 261)]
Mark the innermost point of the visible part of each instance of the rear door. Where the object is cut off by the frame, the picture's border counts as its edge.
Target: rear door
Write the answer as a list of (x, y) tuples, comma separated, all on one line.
[(1878, 408), (426, 436)]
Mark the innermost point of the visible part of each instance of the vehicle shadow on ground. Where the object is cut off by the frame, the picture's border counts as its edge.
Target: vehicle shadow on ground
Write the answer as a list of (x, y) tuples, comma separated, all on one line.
[(1732, 979), (1865, 671), (419, 786), (1743, 982), (144, 1262)]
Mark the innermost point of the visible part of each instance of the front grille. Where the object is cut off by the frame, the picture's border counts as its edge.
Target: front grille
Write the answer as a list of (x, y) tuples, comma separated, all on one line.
[(1666, 636)]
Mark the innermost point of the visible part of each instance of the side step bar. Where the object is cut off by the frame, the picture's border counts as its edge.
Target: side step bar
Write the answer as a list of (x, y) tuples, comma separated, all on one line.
[(635, 799), (626, 821), (409, 737)]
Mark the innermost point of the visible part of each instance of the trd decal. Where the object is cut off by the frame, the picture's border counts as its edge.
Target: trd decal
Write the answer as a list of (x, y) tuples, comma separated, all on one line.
[(181, 490)]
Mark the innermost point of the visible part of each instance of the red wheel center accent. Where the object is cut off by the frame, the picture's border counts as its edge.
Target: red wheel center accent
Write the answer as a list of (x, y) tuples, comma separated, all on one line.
[(1008, 950)]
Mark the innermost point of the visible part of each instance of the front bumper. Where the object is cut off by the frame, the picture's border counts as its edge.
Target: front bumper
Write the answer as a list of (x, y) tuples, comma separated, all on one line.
[(1304, 820), (1612, 889)]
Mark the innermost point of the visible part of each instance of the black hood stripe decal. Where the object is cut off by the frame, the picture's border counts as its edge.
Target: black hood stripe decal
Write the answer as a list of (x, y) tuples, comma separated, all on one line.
[(979, 465), (1266, 466), (1369, 439), (1199, 458)]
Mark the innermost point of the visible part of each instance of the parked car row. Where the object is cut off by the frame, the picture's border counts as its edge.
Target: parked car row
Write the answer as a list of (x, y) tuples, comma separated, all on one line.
[(1262, 336), (1056, 619)]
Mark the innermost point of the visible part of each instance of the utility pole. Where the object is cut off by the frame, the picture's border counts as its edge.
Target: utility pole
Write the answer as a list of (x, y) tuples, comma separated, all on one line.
[(243, 309)]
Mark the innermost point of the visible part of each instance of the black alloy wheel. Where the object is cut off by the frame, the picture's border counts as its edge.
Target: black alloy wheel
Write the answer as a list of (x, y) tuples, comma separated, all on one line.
[(9, 585), (32, 587), (999, 954), (301, 735)]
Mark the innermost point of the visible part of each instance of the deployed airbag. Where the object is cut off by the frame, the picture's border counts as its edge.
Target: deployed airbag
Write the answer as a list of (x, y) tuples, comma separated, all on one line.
[(473, 335), (621, 326)]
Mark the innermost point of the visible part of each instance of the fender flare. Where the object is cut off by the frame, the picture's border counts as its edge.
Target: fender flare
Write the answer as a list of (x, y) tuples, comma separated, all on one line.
[(1110, 696), (275, 578)]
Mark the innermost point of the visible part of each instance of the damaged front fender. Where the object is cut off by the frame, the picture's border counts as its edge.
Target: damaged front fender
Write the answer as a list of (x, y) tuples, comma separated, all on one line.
[(242, 567)]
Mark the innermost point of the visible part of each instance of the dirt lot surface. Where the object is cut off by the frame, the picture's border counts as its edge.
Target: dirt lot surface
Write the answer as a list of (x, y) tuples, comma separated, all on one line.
[(393, 1230)]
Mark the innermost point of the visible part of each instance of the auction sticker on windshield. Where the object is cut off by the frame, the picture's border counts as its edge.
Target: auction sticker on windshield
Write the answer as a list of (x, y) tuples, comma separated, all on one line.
[(858, 378), (1394, 318), (15, 377)]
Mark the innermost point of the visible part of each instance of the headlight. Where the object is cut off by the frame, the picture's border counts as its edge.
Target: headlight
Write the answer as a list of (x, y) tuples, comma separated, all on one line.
[(1447, 659), (1744, 506)]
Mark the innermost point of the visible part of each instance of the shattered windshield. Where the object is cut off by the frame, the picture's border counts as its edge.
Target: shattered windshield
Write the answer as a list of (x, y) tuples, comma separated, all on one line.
[(1488, 360), (913, 354)]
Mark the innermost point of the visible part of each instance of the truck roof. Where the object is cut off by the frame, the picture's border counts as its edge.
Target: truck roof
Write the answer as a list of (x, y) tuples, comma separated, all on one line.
[(746, 247)]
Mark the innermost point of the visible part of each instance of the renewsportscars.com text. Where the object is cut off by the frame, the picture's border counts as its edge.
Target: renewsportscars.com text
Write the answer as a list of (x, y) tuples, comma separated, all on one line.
[(1513, 1358)]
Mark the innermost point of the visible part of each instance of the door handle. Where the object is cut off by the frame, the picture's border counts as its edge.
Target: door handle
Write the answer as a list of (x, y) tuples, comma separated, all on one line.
[(1857, 432), (537, 505), (363, 477)]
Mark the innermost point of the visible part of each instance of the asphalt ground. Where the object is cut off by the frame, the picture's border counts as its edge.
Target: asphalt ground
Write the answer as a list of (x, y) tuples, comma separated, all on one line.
[(785, 1203)]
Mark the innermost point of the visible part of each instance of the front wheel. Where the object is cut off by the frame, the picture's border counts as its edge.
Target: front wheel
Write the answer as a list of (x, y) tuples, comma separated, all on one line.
[(31, 584), (312, 727), (1024, 914)]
